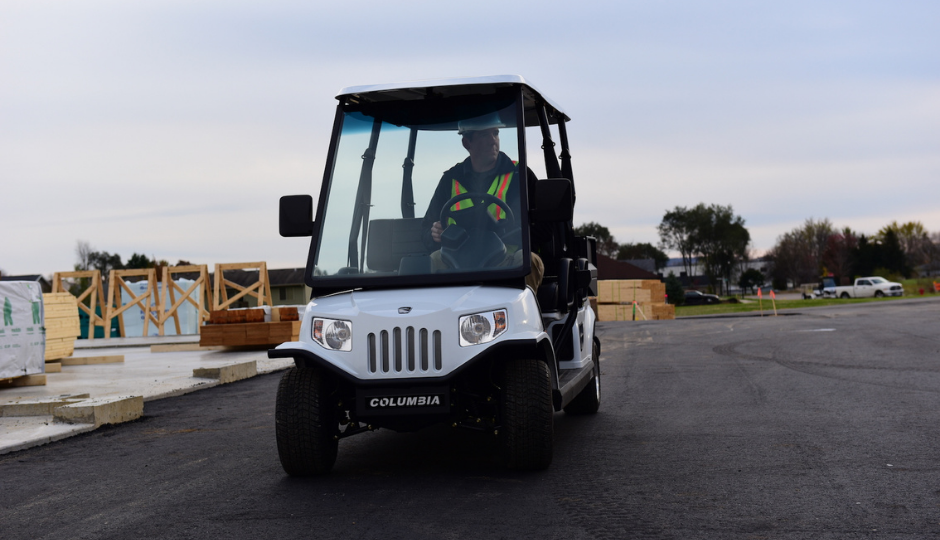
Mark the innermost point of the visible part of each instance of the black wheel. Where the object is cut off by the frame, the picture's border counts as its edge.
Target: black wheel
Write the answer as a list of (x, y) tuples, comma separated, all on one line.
[(526, 432), (305, 423), (844, 295), (589, 399), (879, 294)]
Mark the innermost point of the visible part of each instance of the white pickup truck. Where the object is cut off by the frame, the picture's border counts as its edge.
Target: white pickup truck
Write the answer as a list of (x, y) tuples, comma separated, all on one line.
[(866, 287)]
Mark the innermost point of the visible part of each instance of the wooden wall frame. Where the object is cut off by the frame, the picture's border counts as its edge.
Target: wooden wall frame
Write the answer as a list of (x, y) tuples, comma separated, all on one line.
[(260, 290), (170, 288), (146, 299), (94, 293)]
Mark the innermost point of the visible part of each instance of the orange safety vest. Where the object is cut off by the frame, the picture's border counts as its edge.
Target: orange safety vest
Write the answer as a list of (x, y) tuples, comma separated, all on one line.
[(499, 188)]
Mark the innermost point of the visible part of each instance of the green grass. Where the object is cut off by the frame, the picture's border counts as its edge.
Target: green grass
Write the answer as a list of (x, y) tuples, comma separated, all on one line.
[(912, 286), (723, 308)]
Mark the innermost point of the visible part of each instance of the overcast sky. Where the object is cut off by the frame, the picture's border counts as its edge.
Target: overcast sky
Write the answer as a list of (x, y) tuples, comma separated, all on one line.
[(171, 128)]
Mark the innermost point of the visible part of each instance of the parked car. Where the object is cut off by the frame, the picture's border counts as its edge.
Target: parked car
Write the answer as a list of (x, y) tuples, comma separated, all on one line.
[(694, 298)]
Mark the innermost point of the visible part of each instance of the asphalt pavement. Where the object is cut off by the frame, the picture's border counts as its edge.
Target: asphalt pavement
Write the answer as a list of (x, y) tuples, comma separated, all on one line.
[(818, 424)]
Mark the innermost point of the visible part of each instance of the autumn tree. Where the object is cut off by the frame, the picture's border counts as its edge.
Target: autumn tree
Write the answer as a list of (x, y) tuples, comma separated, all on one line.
[(677, 232), (913, 239), (722, 241), (798, 254), (712, 233), (839, 257)]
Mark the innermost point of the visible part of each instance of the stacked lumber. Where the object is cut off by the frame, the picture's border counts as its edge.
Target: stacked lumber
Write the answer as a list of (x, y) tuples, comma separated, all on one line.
[(236, 316), (633, 299), (284, 314), (61, 322), (246, 327)]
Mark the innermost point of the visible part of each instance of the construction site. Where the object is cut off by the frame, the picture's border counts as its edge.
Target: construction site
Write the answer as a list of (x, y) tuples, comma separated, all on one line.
[(99, 346)]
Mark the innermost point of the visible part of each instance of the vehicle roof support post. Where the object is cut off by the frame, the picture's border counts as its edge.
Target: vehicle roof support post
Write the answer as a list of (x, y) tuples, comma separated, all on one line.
[(565, 156), (363, 201), (407, 190), (525, 200), (548, 146)]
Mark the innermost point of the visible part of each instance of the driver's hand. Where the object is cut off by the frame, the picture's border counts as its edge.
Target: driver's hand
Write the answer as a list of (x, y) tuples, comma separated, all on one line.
[(436, 231)]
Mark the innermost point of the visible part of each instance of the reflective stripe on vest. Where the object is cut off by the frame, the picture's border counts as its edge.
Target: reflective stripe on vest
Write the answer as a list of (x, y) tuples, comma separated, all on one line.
[(499, 188)]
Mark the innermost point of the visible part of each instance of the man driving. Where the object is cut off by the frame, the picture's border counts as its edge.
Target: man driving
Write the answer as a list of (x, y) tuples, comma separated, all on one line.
[(486, 170)]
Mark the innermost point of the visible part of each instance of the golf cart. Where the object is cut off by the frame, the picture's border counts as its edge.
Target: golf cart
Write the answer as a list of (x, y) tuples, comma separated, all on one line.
[(404, 332)]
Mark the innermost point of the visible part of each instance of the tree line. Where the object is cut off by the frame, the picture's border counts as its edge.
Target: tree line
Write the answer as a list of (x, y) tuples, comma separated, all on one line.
[(710, 235), (608, 246), (817, 248), (716, 240), (87, 258)]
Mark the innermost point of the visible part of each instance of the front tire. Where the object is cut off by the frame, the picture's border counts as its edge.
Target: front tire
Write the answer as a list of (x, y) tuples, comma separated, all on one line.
[(305, 423), (879, 294), (526, 433), (589, 399)]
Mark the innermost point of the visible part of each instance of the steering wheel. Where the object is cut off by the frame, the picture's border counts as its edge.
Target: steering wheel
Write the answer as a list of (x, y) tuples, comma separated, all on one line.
[(481, 202)]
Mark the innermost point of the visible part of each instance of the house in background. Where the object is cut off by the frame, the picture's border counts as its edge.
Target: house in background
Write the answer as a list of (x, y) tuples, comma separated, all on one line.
[(287, 286), (699, 281)]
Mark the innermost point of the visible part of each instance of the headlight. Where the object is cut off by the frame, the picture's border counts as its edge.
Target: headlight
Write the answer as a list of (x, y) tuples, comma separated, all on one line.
[(333, 334), (482, 327)]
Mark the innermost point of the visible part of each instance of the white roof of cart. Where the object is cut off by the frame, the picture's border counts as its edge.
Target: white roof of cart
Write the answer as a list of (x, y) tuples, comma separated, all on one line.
[(406, 90)]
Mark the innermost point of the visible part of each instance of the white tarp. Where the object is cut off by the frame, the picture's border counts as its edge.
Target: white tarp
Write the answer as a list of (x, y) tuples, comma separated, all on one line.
[(134, 316), (22, 336)]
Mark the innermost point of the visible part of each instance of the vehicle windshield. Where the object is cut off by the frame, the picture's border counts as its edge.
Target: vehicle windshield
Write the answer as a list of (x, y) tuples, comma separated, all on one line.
[(877, 280), (397, 168)]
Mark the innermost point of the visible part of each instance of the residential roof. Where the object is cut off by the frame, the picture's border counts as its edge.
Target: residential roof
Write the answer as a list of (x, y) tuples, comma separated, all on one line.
[(30, 277), (608, 268)]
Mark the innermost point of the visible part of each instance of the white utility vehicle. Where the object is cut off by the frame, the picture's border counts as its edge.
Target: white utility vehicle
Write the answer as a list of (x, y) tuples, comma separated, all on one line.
[(866, 287), (409, 326)]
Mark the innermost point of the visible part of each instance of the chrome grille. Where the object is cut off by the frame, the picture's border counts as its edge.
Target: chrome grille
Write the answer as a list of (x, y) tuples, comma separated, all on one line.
[(405, 349)]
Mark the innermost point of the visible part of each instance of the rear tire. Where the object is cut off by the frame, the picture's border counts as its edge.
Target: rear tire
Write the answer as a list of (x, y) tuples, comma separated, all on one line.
[(526, 433), (844, 295), (589, 399), (305, 423)]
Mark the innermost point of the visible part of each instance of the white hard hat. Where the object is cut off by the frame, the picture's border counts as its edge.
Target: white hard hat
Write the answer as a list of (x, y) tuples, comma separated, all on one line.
[(487, 121)]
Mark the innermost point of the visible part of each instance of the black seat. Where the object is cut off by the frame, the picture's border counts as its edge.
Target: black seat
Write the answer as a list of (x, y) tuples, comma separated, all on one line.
[(390, 240)]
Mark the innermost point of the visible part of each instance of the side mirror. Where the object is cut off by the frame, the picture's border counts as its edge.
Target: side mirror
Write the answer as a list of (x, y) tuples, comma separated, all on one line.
[(295, 216), (553, 200)]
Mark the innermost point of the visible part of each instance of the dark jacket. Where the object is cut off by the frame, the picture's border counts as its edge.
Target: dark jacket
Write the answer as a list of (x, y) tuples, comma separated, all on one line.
[(463, 172)]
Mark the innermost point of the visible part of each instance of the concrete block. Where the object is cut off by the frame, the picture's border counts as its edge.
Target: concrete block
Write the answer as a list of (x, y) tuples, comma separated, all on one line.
[(43, 406), (100, 411), (182, 347), (88, 360), (229, 373), (25, 380)]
